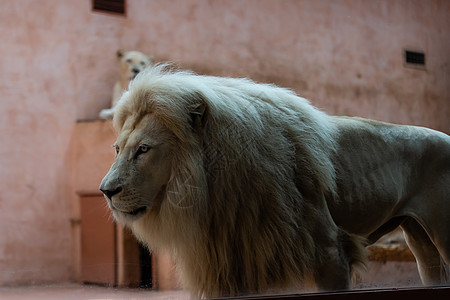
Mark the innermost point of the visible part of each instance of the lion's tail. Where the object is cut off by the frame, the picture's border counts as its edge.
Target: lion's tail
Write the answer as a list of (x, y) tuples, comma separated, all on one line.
[(356, 252)]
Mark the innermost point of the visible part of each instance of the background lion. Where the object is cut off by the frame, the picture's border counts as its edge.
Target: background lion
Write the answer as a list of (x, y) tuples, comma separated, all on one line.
[(131, 63), (253, 190)]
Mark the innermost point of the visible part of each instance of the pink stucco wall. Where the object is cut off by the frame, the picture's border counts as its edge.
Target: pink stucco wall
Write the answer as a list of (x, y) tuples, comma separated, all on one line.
[(57, 65)]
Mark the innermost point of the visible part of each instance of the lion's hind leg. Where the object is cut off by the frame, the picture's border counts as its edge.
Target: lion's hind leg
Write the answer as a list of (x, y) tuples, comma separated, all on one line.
[(335, 272), (432, 268)]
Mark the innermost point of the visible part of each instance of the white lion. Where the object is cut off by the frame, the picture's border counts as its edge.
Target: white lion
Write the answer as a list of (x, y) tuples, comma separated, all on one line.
[(253, 190), (131, 63)]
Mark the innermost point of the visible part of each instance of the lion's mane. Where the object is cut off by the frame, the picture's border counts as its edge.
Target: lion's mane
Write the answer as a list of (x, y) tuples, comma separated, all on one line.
[(250, 173)]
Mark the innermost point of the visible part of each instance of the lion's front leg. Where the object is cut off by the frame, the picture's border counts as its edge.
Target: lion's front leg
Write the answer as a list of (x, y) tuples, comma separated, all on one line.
[(333, 274), (337, 262)]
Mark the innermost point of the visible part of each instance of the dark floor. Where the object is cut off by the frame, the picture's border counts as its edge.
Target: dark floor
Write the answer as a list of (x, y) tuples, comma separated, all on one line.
[(379, 275)]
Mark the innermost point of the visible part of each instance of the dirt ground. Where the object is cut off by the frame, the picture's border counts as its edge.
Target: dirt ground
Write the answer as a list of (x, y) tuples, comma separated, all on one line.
[(69, 291)]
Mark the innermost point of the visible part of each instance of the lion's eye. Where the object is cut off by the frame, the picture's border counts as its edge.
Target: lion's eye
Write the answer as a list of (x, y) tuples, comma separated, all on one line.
[(143, 149)]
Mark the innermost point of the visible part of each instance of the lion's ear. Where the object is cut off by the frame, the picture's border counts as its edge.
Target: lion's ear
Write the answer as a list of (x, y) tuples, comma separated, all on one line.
[(120, 53), (199, 113)]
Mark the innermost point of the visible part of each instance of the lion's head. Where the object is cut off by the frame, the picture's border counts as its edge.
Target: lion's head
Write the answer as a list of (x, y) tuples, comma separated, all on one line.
[(131, 64), (137, 179), (158, 170)]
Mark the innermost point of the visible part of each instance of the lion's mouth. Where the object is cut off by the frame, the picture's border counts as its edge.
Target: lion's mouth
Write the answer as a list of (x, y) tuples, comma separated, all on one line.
[(137, 211), (134, 75), (132, 213)]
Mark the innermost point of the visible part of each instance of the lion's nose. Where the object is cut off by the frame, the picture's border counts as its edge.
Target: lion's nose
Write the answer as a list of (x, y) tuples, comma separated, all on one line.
[(111, 193)]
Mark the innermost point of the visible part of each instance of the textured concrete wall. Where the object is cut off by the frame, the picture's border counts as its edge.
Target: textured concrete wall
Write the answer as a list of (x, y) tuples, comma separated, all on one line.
[(345, 56), (57, 65)]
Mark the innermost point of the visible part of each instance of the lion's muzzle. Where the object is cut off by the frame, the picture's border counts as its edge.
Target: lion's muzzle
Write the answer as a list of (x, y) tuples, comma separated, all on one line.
[(120, 199)]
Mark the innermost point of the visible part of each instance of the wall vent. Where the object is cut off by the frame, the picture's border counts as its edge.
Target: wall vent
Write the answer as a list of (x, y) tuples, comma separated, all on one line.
[(414, 58), (109, 6)]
